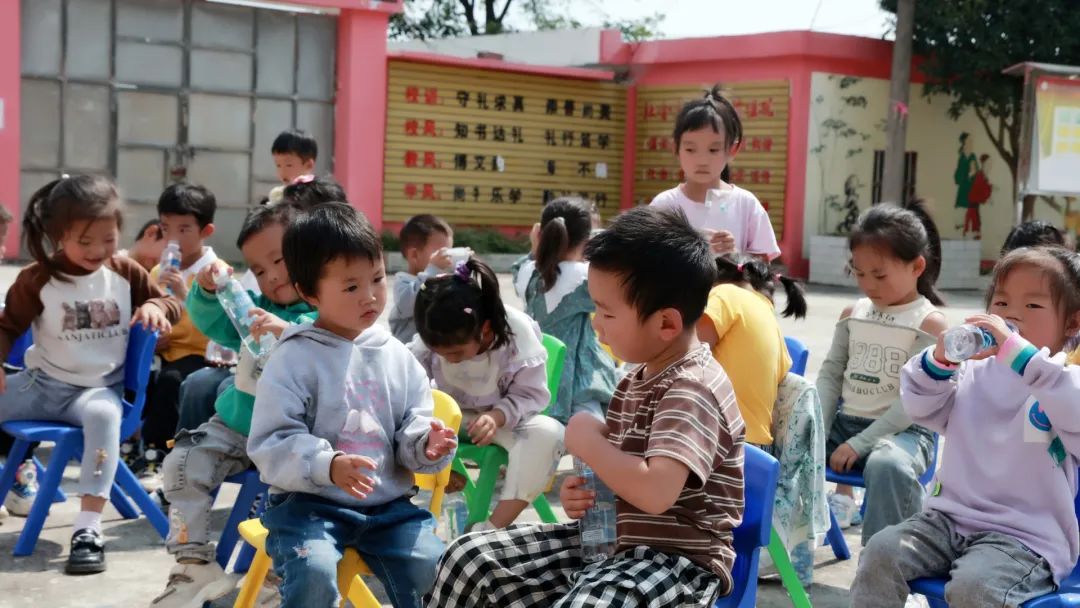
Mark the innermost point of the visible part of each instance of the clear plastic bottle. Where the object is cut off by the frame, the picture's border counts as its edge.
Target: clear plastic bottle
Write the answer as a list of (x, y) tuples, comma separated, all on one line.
[(455, 515), (220, 356), (170, 258), (238, 306), (598, 534), (965, 341)]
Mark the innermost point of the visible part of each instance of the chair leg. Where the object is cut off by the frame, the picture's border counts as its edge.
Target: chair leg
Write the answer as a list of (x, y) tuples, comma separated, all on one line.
[(239, 513), (60, 496), (835, 537), (543, 509), (63, 452), (360, 596), (122, 504), (253, 581), (788, 576), (480, 501), (7, 474), (128, 482)]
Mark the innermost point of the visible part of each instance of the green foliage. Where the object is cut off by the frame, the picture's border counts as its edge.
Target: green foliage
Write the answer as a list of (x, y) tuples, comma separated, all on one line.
[(480, 240)]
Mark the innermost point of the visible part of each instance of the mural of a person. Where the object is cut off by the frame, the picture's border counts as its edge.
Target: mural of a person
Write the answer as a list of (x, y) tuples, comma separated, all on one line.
[(978, 195), (966, 166)]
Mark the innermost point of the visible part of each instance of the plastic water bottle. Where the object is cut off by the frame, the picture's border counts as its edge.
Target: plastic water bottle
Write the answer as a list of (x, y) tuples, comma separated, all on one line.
[(238, 306), (220, 356), (170, 259), (598, 534), (455, 515), (458, 254), (965, 341)]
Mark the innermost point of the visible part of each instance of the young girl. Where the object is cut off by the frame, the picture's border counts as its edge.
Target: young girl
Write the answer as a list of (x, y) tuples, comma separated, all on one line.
[(741, 329), (707, 137), (1001, 522), (556, 294), (895, 257), (79, 298), (491, 361)]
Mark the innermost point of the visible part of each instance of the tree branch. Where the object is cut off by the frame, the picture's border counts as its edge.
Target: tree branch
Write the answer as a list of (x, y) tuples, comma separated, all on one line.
[(506, 7), (469, 5)]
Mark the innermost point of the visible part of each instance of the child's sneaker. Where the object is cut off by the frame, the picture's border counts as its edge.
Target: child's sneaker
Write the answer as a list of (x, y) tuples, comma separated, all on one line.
[(3, 512), (844, 508), (23, 492), (151, 477), (190, 585), (130, 454)]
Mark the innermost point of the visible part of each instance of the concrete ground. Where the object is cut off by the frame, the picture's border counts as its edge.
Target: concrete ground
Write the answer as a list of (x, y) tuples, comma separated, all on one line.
[(139, 565)]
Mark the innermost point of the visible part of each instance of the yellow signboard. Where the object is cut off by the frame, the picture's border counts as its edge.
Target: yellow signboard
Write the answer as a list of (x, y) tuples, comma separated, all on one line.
[(761, 165), (478, 146)]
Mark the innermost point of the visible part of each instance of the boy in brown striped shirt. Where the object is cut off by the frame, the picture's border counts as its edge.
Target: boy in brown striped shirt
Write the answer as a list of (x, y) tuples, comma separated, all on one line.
[(671, 448)]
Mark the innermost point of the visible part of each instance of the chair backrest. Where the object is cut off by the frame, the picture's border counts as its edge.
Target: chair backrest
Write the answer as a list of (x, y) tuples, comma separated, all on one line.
[(556, 358), (760, 475), (446, 410), (799, 355), (17, 356), (137, 364)]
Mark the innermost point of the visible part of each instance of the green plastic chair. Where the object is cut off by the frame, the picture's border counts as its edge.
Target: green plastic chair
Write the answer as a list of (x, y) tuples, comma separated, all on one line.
[(491, 457)]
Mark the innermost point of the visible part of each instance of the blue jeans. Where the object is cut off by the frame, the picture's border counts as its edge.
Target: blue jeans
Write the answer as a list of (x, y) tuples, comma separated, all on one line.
[(309, 534), (199, 393)]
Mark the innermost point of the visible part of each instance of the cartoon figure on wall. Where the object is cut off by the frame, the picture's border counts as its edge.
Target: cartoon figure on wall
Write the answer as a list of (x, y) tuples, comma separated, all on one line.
[(850, 206), (966, 166), (978, 195)]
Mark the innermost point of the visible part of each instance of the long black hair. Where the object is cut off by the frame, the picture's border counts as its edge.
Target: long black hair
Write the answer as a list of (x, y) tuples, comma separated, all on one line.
[(752, 270), (451, 308), (905, 232), (565, 223)]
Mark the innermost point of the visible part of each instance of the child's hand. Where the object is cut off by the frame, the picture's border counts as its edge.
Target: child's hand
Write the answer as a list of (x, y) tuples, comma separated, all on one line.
[(441, 259), (843, 458), (722, 241), (575, 500), (939, 350), (265, 322), (345, 473), (482, 430), (205, 278), (440, 441), (582, 430), (152, 317), (997, 328), (171, 278)]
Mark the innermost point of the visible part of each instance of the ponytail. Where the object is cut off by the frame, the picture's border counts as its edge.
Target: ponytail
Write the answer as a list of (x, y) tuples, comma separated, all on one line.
[(451, 308), (565, 223), (752, 270), (33, 227), (928, 279), (905, 232)]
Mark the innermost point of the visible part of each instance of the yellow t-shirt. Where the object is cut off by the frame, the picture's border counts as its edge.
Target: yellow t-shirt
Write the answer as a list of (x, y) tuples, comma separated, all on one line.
[(751, 350)]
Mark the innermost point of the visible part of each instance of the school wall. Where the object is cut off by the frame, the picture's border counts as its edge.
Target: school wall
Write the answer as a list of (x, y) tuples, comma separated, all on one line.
[(9, 118)]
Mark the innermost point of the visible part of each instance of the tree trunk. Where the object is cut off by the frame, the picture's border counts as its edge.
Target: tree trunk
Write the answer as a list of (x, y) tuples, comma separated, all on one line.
[(899, 86)]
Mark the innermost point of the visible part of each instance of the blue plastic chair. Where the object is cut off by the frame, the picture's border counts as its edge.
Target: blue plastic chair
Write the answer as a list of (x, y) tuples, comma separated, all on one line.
[(835, 535), (69, 445), (799, 355), (760, 474), (250, 488), (1067, 595)]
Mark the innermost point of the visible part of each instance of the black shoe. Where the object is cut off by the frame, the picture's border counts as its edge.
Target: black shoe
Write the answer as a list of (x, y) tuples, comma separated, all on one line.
[(87, 553)]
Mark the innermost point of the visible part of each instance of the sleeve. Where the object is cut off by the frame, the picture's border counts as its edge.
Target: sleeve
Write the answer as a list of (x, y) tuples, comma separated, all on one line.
[(521, 272), (411, 435), (22, 305), (280, 443), (830, 380), (719, 312), (1053, 384), (664, 200), (895, 419), (406, 286), (927, 390), (210, 318), (761, 239), (689, 426), (526, 394), (146, 291)]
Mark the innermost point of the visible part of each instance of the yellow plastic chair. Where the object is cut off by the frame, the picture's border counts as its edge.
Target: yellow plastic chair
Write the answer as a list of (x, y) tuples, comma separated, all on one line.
[(351, 568)]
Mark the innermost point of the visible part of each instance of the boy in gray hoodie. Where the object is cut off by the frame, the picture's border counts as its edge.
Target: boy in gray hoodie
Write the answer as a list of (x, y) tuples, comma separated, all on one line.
[(342, 420)]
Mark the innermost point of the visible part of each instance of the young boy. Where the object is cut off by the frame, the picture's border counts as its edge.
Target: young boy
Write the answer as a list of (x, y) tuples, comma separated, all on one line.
[(148, 245), (671, 449), (342, 420), (187, 217), (295, 153), (424, 241), (204, 456)]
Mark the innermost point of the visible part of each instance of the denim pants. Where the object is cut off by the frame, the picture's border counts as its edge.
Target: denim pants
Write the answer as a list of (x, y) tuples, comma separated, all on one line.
[(34, 395), (199, 393), (891, 470), (309, 534)]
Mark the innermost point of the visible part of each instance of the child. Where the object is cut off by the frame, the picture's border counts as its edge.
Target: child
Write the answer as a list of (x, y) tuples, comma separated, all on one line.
[(708, 133), (491, 360), (978, 195), (187, 217), (671, 450), (554, 289), (1035, 233), (149, 243), (424, 241), (80, 300), (217, 449), (342, 420), (895, 257), (1001, 523), (741, 329), (295, 153)]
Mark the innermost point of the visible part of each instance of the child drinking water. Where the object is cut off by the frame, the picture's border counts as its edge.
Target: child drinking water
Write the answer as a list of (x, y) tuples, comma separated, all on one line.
[(425, 241), (708, 133), (555, 290), (895, 257), (491, 360), (79, 298), (741, 329), (1001, 523)]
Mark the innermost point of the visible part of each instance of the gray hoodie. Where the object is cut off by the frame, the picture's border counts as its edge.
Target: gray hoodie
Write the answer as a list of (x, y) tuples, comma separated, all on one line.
[(322, 395)]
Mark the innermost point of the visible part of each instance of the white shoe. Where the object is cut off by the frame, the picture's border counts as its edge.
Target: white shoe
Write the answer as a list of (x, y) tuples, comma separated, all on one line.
[(3, 512), (844, 508), (23, 492), (916, 601), (190, 585)]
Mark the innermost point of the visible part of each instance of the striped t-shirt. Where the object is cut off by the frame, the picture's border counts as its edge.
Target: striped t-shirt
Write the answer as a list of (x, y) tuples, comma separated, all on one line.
[(688, 413)]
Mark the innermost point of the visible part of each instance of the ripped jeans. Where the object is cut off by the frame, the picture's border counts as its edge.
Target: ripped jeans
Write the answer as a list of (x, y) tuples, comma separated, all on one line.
[(309, 534)]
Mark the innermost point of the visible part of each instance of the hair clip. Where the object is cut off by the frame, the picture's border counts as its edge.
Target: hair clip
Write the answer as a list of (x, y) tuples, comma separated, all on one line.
[(740, 267), (467, 310), (462, 272), (307, 178)]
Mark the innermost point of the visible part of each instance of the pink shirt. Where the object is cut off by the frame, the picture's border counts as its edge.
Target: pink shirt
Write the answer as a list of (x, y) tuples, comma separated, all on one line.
[(736, 210)]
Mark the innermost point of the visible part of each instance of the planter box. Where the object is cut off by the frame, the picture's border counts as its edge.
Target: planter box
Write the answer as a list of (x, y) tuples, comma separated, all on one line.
[(959, 268)]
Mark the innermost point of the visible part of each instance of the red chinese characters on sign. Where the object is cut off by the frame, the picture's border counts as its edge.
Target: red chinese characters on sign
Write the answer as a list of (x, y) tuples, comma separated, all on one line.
[(411, 158), (429, 128), (429, 160), (411, 127), (412, 94), (425, 191), (660, 111), (660, 144), (754, 108), (431, 95), (760, 144)]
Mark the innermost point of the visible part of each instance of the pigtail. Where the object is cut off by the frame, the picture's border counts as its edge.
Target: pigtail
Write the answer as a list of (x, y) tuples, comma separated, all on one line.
[(566, 224), (796, 297), (928, 279), (550, 250), (35, 234), (491, 300)]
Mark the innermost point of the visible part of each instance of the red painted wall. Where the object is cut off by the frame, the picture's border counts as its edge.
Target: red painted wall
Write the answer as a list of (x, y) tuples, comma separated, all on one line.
[(9, 115)]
